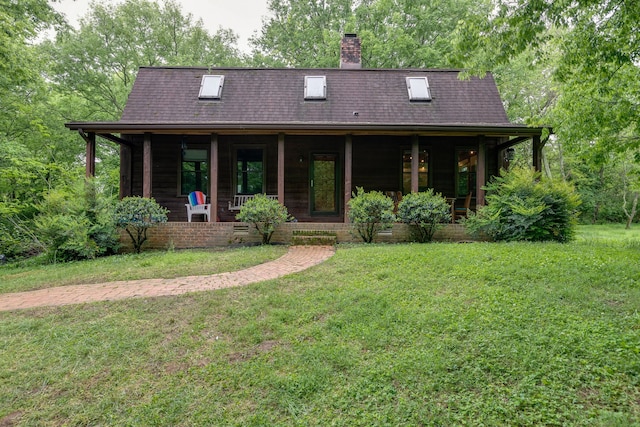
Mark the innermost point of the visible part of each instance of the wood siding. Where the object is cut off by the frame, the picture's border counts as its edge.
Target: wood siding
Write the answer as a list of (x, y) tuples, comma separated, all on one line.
[(376, 165)]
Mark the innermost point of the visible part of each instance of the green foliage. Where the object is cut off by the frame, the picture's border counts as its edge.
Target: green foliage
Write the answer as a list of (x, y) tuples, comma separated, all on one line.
[(370, 212), (76, 223), (113, 41), (265, 214), (426, 212), (594, 51), (401, 33), (20, 75), (136, 215), (521, 205)]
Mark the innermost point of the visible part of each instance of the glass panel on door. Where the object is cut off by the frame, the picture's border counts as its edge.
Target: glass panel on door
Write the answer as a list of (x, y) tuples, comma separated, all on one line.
[(324, 183)]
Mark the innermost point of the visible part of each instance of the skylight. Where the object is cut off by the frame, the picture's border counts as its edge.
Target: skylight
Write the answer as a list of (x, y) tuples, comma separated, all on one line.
[(315, 87), (211, 87), (418, 88)]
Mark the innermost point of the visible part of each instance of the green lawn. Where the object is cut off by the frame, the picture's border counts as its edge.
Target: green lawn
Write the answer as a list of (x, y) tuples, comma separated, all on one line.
[(433, 334), (610, 233), (147, 265)]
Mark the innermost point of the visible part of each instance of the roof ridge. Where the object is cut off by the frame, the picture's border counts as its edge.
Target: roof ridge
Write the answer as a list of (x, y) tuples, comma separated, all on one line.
[(332, 69)]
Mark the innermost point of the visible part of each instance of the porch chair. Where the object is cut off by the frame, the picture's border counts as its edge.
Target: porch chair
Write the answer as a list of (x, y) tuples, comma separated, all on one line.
[(463, 211), (197, 205)]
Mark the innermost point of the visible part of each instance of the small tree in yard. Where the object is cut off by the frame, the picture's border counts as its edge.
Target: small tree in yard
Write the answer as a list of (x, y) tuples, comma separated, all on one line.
[(137, 214), (370, 213), (426, 212), (265, 214)]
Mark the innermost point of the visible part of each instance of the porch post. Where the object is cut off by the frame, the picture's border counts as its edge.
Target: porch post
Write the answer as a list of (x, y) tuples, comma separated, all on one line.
[(213, 178), (125, 171), (537, 153), (348, 171), (281, 168), (146, 166), (90, 165), (481, 174), (415, 163)]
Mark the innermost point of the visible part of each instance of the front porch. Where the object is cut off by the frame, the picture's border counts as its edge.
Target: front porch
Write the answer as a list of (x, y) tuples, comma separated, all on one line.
[(184, 235), (312, 175)]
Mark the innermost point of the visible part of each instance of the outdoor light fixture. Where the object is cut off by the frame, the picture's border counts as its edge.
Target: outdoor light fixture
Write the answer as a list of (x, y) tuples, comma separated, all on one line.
[(301, 158), (510, 154)]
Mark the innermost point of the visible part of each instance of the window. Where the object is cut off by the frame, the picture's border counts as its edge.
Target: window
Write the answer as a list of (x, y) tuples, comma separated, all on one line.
[(194, 171), (249, 171), (211, 87), (423, 171), (418, 88), (315, 87), (466, 172)]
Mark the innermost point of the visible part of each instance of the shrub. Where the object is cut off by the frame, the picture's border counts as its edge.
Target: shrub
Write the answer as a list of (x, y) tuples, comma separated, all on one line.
[(425, 212), (75, 223), (137, 214), (522, 205), (265, 214), (17, 237), (370, 213)]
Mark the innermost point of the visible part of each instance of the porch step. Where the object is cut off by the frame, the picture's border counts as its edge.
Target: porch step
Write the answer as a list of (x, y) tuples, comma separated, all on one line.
[(313, 238)]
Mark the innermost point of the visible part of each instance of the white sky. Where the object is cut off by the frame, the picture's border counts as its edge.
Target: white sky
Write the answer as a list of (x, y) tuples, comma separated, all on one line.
[(244, 17)]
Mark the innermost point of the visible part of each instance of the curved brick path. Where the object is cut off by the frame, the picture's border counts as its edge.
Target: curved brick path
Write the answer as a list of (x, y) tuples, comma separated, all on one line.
[(298, 258)]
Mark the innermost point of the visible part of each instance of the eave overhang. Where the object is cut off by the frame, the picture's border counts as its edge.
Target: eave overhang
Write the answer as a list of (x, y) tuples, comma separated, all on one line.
[(507, 130)]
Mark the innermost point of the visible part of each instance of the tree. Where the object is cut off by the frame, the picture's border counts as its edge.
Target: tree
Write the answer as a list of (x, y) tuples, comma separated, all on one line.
[(20, 78), (99, 61), (596, 74), (136, 215), (394, 33), (631, 180)]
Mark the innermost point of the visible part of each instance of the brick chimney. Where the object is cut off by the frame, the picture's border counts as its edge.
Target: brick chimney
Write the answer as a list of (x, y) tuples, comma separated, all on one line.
[(350, 56)]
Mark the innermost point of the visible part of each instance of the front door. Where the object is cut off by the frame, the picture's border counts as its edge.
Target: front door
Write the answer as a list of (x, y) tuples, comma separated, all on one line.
[(324, 184)]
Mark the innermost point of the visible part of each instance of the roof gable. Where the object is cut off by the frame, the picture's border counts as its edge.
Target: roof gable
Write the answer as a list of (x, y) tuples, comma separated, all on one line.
[(165, 95)]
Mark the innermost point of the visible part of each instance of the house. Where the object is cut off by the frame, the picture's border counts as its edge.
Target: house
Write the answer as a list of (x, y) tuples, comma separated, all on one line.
[(308, 137)]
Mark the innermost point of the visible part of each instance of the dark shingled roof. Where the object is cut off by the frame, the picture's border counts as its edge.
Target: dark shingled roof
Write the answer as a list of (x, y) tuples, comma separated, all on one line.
[(167, 95)]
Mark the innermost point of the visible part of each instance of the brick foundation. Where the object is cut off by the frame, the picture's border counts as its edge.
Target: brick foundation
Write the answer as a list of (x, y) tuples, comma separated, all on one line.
[(182, 235)]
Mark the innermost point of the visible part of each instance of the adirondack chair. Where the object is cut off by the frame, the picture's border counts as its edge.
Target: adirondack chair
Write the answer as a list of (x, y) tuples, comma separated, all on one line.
[(197, 205)]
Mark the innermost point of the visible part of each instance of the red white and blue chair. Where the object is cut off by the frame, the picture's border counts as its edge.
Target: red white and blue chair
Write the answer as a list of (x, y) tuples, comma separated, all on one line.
[(198, 205)]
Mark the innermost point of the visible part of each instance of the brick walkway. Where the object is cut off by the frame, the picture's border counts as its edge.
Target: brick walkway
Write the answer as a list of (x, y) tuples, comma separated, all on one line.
[(298, 258)]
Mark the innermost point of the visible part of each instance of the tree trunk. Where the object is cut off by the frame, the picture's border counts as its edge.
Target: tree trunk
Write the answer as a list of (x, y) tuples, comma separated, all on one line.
[(634, 205), (545, 164), (596, 208), (561, 161)]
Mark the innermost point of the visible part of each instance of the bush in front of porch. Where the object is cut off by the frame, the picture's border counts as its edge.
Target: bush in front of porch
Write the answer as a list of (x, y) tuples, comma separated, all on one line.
[(265, 214), (136, 215), (426, 212), (522, 205), (370, 212)]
